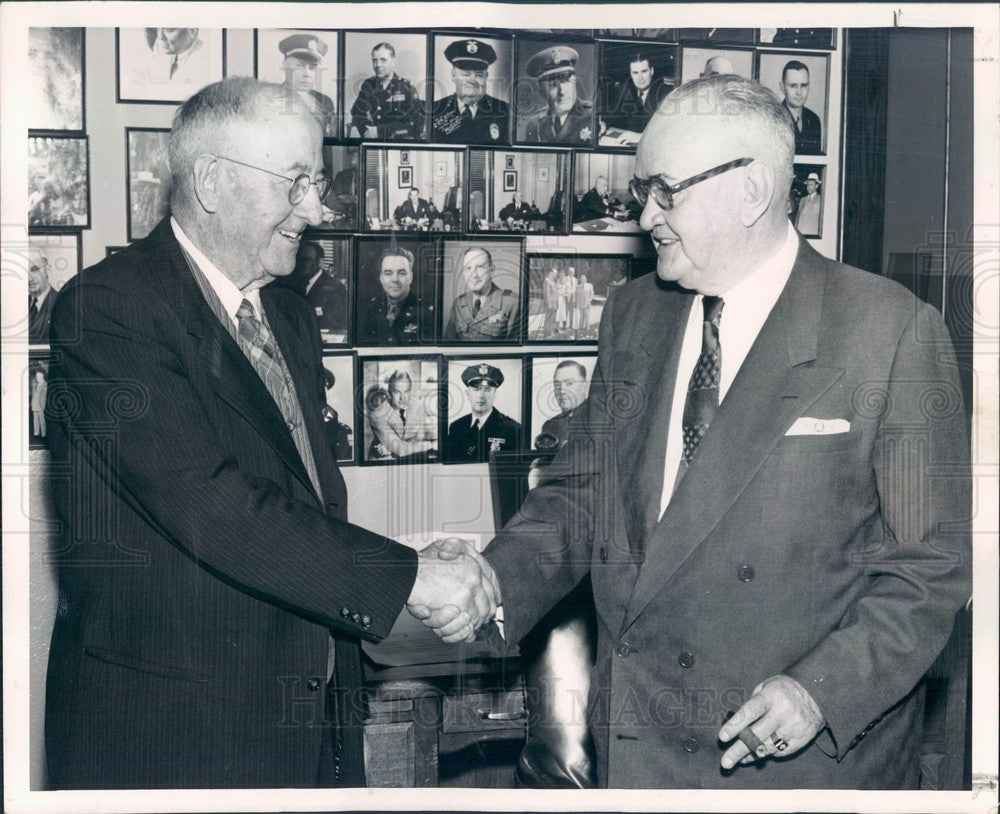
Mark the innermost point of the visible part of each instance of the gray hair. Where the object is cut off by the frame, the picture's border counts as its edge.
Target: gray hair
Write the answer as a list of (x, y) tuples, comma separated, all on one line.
[(202, 124), (759, 120)]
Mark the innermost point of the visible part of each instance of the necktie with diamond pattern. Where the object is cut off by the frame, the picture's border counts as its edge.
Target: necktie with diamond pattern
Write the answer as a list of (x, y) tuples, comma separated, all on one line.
[(703, 389)]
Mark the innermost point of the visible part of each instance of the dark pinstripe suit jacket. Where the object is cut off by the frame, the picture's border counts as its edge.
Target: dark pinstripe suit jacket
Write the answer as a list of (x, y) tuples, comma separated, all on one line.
[(198, 571)]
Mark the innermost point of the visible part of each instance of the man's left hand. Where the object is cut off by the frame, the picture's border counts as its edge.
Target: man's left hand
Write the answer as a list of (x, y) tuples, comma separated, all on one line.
[(780, 711)]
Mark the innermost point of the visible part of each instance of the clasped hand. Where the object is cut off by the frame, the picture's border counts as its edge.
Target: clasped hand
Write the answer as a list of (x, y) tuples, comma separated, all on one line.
[(456, 591)]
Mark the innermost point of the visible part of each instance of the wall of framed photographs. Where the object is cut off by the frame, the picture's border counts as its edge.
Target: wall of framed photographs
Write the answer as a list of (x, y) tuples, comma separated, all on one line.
[(506, 230)]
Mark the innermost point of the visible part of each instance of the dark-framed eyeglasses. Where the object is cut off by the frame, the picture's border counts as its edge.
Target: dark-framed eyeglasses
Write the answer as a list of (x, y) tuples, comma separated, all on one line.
[(300, 183), (663, 193)]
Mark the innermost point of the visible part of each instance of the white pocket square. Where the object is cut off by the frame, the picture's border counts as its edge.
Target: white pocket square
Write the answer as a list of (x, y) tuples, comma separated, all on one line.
[(819, 426)]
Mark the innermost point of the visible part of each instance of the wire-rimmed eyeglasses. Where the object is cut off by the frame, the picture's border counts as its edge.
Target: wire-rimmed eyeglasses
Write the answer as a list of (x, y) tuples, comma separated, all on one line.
[(663, 193), (300, 183)]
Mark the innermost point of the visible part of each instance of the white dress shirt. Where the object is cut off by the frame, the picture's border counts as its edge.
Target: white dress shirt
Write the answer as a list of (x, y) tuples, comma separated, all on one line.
[(747, 305)]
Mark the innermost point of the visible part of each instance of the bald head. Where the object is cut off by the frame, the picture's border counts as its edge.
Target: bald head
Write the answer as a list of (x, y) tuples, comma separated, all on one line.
[(718, 65)]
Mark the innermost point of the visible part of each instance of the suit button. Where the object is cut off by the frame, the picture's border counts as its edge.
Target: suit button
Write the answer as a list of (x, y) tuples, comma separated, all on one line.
[(356, 617), (691, 745), (623, 649), (603, 553), (345, 612), (746, 573), (366, 620), (685, 660), (312, 684)]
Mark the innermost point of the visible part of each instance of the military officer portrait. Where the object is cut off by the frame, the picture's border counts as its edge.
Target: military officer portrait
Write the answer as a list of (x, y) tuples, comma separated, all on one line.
[(304, 61), (477, 72), (555, 101), (384, 77), (395, 293), (485, 395), (483, 290)]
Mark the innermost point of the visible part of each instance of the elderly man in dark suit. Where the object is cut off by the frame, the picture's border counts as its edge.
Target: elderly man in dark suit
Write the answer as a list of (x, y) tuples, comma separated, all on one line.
[(470, 115), (212, 593), (773, 519), (41, 298)]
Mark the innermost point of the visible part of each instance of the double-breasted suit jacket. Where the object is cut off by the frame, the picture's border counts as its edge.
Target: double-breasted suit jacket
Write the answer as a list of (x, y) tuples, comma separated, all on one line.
[(836, 559), (200, 573)]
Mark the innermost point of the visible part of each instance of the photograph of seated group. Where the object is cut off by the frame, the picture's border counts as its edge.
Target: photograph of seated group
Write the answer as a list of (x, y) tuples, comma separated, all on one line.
[(596, 336)]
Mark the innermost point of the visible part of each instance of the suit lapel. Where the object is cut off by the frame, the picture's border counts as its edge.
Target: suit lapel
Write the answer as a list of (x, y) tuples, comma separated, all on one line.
[(776, 384)]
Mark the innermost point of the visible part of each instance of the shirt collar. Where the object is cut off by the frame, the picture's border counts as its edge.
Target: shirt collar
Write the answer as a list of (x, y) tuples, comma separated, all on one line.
[(482, 421), (225, 289), (462, 106)]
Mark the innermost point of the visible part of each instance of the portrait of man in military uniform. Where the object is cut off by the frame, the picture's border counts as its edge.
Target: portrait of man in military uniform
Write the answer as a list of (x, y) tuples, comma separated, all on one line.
[(471, 115), (556, 106), (386, 105), (485, 428), (559, 385), (305, 61), (393, 306), (484, 311)]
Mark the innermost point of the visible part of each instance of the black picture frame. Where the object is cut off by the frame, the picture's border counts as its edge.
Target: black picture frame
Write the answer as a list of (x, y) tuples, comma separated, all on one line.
[(499, 321), (384, 438), (141, 65), (57, 59), (331, 294), (416, 323), (58, 183), (53, 259), (622, 113), (462, 445), (553, 321), (438, 173), (339, 384), (621, 212), (543, 177), (147, 179), (819, 38), (805, 212), (546, 410), (509, 180), (36, 390), (694, 61), (771, 67)]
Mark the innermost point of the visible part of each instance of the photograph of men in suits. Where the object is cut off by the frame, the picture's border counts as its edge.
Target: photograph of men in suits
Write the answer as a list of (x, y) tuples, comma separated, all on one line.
[(746, 486), (41, 298), (567, 118), (517, 213), (484, 312), (795, 88), (483, 430), (208, 576), (470, 115), (413, 213)]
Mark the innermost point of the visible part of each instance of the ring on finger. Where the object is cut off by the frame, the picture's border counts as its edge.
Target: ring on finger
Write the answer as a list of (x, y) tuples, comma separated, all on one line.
[(780, 744)]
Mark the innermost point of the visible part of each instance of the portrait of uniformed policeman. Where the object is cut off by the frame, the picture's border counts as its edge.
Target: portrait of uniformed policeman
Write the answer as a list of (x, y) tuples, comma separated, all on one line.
[(304, 69), (384, 74), (484, 311), (560, 110), (484, 429), (471, 115), (391, 307)]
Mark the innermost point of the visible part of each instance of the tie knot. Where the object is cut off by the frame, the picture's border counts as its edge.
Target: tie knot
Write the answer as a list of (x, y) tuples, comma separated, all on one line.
[(245, 310), (713, 309)]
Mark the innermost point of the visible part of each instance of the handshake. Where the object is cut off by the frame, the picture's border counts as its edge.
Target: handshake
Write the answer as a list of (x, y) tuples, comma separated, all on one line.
[(456, 591)]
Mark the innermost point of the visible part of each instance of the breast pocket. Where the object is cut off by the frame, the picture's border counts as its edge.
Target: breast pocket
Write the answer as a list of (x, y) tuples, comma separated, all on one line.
[(814, 444)]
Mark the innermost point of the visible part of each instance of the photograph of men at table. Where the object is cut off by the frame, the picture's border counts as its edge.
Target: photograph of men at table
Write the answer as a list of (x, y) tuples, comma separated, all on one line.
[(395, 291), (413, 190), (384, 76), (472, 82), (482, 291), (602, 202), (534, 202), (555, 93), (633, 79)]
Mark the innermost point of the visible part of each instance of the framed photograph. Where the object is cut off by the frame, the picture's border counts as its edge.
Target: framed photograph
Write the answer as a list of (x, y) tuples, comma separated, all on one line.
[(697, 62), (485, 407), (428, 195), (167, 65), (338, 380), (633, 78), (482, 290), (340, 206), (556, 89), (148, 179), (400, 410), (567, 293), (734, 36), (602, 203), (825, 38), (304, 60), (396, 290), (58, 182), (806, 199), (802, 82), (518, 191), (56, 67), (558, 385), (661, 34), (37, 390), (385, 86), (52, 260), (323, 273), (472, 89)]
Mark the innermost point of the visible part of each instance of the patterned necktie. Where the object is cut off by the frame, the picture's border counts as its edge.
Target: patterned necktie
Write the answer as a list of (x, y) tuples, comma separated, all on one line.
[(262, 350), (703, 390)]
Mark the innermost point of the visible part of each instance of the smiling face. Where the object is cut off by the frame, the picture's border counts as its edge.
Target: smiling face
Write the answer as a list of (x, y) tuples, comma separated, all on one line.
[(399, 393), (642, 74), (560, 93), (256, 230), (477, 269), (383, 63), (470, 86), (481, 395), (795, 86), (300, 74)]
